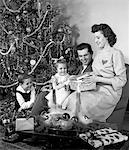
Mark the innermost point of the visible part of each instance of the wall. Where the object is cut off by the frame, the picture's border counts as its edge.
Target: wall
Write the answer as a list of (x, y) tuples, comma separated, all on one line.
[(85, 13)]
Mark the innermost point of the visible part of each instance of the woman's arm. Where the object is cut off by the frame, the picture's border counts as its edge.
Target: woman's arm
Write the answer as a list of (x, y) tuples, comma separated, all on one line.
[(102, 80), (119, 79), (96, 79)]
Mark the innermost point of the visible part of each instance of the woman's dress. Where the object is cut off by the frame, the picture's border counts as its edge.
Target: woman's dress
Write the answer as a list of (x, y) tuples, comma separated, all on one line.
[(100, 103)]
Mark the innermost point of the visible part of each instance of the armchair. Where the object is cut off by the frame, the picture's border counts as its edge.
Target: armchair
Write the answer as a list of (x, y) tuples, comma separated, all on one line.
[(117, 115)]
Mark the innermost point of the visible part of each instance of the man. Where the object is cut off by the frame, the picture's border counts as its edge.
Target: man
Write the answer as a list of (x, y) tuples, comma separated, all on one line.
[(85, 53)]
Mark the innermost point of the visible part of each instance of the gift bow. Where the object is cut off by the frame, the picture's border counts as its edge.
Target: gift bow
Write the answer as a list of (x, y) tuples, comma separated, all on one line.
[(56, 59)]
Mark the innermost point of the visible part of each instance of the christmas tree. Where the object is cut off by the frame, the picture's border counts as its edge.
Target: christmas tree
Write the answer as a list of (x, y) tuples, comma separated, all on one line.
[(33, 34)]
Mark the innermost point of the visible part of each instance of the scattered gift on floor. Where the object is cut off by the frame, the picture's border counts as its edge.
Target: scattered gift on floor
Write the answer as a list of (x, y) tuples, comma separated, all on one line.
[(103, 137), (24, 124)]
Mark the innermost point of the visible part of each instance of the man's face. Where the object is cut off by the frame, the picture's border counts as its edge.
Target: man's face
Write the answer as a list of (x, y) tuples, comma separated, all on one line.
[(84, 56)]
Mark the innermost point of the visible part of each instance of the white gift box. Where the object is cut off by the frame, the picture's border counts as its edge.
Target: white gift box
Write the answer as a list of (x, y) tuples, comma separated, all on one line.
[(24, 124), (81, 85)]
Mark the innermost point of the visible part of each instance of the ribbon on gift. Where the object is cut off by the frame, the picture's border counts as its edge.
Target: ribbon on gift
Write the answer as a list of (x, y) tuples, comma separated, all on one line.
[(78, 100)]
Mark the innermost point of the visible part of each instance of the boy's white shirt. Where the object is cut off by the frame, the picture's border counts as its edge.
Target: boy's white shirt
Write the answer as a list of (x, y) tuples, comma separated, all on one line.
[(20, 99)]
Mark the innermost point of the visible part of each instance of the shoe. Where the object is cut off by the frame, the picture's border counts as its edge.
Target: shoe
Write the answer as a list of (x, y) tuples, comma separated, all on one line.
[(11, 138)]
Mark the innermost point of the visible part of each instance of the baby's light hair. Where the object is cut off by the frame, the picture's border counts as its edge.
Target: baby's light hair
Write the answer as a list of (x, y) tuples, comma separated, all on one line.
[(61, 61)]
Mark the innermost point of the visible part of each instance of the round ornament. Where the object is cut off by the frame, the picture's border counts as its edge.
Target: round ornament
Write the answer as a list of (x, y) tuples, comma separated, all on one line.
[(32, 62)]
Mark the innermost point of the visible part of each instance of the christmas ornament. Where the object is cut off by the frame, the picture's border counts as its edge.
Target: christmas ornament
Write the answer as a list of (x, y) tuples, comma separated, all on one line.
[(10, 32), (32, 62), (18, 18), (25, 12), (49, 7), (28, 29)]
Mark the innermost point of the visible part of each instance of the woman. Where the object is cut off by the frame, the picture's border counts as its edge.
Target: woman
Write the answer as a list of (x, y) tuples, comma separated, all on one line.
[(109, 73)]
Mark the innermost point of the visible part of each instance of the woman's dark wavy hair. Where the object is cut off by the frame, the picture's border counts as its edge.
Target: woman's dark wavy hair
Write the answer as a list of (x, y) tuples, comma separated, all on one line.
[(106, 31)]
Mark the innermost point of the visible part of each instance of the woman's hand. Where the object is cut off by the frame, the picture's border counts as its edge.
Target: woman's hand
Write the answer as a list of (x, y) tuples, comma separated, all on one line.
[(90, 79), (95, 79)]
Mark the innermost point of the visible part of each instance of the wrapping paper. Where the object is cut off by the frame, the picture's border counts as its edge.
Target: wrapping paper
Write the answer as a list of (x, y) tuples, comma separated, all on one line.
[(79, 85), (103, 137)]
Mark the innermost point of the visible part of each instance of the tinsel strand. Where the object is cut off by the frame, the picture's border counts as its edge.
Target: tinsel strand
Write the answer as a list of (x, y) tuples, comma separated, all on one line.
[(52, 42), (15, 11), (29, 35), (6, 53)]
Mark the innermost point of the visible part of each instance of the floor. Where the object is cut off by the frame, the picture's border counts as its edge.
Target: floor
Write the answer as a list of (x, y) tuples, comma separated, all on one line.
[(27, 146)]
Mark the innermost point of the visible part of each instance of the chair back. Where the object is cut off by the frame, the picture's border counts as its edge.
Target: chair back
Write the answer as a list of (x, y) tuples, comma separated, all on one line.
[(117, 115)]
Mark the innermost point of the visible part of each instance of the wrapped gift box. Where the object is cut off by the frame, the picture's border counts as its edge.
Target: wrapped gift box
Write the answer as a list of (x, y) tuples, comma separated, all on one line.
[(81, 85), (24, 124), (103, 137)]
